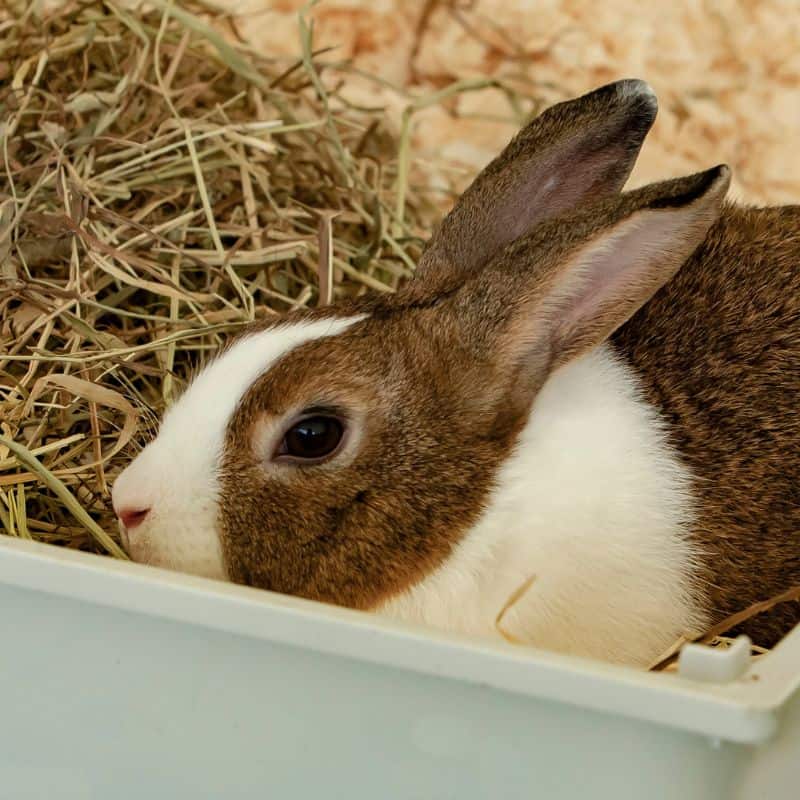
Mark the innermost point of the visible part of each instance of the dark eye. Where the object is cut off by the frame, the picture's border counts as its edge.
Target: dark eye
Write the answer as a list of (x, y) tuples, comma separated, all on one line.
[(312, 439)]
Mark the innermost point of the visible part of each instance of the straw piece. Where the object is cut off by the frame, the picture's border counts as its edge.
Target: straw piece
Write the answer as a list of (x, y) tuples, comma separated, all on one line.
[(161, 185), (513, 599), (60, 490), (96, 394), (325, 239), (725, 625)]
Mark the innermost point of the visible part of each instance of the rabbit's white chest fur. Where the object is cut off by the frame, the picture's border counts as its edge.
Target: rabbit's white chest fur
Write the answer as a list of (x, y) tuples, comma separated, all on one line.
[(594, 504)]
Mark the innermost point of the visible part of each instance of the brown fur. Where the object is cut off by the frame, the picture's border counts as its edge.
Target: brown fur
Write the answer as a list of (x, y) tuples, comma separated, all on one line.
[(440, 378), (361, 532), (718, 352), (442, 396)]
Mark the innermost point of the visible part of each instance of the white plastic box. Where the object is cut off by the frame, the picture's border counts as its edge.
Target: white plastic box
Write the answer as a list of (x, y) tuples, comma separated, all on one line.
[(120, 682)]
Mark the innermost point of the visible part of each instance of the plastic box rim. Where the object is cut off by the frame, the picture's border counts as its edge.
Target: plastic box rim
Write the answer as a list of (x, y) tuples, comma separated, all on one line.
[(744, 711)]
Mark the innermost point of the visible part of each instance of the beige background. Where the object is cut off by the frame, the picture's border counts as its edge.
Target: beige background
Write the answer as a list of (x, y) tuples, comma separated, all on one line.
[(727, 73)]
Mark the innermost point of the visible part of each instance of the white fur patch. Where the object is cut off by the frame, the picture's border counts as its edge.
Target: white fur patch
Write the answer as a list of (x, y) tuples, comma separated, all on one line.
[(596, 506), (176, 474)]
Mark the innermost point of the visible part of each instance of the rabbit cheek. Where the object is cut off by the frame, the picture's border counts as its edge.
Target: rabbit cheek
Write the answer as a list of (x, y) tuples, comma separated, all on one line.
[(390, 507), (287, 538), (352, 535)]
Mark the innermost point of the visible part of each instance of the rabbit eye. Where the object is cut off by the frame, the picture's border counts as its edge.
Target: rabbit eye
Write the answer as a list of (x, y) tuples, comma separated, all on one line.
[(311, 439)]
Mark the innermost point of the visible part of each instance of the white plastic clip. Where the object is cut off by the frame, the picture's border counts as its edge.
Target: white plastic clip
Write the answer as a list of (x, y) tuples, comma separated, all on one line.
[(715, 664)]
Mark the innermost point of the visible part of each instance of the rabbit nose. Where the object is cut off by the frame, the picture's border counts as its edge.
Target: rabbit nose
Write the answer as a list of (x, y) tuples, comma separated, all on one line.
[(132, 497), (132, 517)]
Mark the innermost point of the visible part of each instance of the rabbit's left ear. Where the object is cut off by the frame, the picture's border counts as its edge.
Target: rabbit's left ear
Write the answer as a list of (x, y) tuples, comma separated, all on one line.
[(567, 287), (643, 241), (574, 152)]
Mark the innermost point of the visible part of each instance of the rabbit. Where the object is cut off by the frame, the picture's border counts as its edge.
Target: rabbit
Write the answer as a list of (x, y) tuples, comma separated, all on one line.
[(591, 390)]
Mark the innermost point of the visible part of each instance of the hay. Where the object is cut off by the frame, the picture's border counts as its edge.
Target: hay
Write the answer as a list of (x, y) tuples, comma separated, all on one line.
[(161, 186), (512, 600), (715, 636)]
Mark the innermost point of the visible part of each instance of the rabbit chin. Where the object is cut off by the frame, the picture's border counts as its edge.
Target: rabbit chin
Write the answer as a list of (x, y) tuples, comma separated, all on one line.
[(193, 547), (595, 507)]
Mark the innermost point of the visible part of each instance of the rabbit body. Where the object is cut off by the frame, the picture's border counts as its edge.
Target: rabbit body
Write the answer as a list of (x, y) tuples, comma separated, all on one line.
[(589, 393)]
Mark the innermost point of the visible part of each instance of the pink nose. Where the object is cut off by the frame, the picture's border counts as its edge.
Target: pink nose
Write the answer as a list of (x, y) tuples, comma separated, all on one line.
[(131, 517)]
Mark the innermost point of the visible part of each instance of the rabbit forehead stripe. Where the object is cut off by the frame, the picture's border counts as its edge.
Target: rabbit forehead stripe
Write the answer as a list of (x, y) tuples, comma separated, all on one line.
[(176, 475), (216, 391)]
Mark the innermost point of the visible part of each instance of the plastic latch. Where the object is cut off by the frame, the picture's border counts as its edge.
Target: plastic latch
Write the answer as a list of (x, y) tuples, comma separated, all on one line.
[(715, 664)]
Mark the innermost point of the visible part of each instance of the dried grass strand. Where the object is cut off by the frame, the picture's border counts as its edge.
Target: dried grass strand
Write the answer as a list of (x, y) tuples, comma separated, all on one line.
[(725, 625)]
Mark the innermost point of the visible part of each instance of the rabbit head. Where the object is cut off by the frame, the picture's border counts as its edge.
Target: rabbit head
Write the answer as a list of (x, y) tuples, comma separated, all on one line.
[(343, 454)]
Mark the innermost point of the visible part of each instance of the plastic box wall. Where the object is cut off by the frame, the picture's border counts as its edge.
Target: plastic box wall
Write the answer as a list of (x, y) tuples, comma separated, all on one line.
[(120, 681)]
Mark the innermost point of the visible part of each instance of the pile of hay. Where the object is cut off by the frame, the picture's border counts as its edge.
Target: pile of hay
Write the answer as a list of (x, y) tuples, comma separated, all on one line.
[(161, 186)]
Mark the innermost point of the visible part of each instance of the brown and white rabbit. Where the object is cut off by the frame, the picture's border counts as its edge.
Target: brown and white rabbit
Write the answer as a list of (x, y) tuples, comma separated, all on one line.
[(596, 389)]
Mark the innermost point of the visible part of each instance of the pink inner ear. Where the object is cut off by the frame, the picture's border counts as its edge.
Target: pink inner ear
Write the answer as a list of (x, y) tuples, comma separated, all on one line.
[(553, 185), (616, 272)]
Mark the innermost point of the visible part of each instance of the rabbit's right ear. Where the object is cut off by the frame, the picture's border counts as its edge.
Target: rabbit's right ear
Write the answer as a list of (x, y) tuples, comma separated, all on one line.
[(575, 151)]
